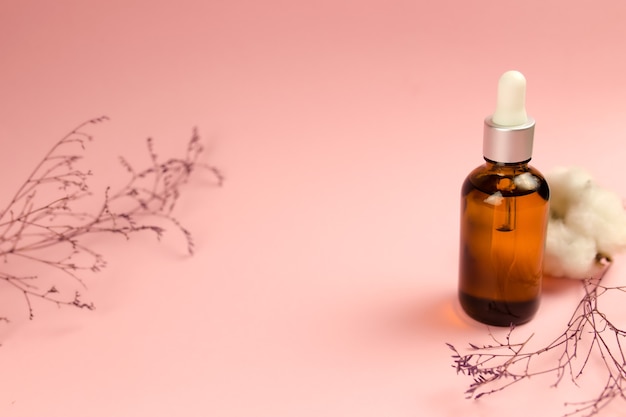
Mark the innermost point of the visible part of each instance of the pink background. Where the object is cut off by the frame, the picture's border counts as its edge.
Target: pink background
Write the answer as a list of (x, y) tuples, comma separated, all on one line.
[(324, 281)]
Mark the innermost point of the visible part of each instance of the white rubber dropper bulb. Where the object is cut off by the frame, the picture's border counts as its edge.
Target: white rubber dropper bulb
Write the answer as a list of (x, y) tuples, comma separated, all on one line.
[(511, 103), (508, 134)]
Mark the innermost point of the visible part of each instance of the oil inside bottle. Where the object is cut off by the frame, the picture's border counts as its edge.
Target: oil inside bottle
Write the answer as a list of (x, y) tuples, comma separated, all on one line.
[(503, 225)]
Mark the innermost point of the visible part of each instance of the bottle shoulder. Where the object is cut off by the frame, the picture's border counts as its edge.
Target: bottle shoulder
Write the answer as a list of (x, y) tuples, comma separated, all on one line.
[(511, 180)]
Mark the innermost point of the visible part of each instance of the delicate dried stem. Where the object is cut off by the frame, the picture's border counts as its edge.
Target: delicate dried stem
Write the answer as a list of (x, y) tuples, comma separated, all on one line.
[(589, 334), (50, 232)]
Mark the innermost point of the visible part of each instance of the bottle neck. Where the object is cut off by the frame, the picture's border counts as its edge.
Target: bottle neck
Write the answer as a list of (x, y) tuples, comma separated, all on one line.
[(495, 165)]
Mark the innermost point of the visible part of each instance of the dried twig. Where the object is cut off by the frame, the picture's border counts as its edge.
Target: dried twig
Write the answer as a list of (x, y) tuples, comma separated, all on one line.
[(36, 229), (589, 334)]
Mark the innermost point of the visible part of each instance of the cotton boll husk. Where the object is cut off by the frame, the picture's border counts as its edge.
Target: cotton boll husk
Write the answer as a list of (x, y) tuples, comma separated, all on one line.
[(568, 254)]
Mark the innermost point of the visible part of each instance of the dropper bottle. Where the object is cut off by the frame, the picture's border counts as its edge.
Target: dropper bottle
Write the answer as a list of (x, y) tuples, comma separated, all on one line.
[(504, 217)]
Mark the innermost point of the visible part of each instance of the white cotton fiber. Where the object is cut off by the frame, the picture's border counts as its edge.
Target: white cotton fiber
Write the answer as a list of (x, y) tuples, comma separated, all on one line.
[(568, 254), (586, 221), (566, 186)]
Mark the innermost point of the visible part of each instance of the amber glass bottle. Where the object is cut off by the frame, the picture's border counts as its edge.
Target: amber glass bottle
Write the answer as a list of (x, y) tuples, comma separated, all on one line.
[(504, 217), (504, 213)]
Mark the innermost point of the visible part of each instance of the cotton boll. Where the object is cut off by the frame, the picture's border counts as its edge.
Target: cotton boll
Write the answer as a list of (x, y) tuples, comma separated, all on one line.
[(585, 221), (600, 214), (568, 254)]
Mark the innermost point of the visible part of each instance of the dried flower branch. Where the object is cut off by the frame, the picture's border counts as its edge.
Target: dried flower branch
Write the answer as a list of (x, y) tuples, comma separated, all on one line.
[(43, 227), (590, 336)]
